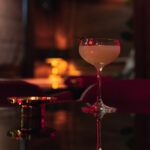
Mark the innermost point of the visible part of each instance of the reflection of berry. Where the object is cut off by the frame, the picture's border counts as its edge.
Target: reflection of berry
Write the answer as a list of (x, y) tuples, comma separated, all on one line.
[(90, 109)]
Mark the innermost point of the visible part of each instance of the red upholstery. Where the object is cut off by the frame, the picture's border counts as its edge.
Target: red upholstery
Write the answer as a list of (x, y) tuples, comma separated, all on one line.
[(128, 95), (125, 95)]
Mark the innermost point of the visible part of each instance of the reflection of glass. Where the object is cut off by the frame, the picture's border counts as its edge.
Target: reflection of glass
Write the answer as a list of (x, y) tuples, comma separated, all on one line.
[(99, 52)]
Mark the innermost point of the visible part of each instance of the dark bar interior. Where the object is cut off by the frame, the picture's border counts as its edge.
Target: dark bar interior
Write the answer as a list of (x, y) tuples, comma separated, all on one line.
[(51, 88)]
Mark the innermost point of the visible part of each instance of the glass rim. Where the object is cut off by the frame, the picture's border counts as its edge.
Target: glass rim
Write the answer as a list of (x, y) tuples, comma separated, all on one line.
[(98, 40)]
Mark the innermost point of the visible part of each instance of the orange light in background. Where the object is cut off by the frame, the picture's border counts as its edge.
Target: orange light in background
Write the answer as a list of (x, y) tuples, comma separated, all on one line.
[(61, 40), (58, 65), (60, 68), (61, 118), (73, 71)]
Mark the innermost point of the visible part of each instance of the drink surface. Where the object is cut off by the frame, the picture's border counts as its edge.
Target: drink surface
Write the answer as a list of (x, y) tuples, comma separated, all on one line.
[(99, 55)]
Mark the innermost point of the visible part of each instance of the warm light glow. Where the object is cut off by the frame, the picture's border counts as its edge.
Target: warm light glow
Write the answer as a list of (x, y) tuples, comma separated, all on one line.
[(60, 68), (61, 40), (61, 118), (56, 81), (73, 71), (58, 65)]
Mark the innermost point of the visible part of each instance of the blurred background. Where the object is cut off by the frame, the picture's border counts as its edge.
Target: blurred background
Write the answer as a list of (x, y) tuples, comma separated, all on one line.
[(35, 32), (38, 40)]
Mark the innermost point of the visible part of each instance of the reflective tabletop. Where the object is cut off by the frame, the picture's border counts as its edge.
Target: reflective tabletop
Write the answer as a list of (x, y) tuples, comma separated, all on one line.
[(63, 127)]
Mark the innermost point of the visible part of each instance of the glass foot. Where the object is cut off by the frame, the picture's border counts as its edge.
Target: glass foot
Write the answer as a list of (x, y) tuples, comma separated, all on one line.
[(104, 109), (98, 109)]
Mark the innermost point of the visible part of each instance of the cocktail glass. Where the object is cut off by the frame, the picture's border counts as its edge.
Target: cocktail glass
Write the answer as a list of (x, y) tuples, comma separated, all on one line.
[(99, 52)]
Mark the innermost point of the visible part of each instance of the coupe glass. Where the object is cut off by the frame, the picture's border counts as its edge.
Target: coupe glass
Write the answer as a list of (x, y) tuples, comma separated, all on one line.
[(99, 52)]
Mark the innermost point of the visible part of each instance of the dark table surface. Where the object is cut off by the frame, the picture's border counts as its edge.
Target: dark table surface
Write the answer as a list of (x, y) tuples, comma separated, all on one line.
[(66, 128)]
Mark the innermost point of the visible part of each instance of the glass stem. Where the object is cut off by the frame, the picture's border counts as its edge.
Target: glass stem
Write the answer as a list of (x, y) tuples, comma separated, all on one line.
[(98, 105), (99, 85), (98, 133)]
